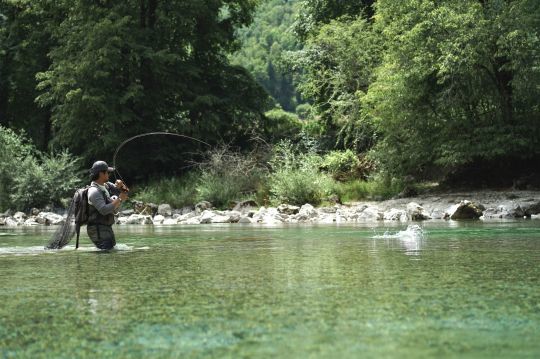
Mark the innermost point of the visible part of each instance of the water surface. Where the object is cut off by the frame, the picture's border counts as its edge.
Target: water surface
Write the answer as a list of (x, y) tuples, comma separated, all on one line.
[(460, 289)]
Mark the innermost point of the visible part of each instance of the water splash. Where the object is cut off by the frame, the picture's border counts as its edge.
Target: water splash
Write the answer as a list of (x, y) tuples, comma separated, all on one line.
[(413, 232)]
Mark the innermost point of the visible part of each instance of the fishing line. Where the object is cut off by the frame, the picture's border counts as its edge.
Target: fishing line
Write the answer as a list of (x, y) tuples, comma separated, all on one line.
[(150, 134)]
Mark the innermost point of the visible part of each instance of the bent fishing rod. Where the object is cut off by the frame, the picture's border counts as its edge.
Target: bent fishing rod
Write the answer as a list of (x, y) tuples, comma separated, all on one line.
[(159, 133)]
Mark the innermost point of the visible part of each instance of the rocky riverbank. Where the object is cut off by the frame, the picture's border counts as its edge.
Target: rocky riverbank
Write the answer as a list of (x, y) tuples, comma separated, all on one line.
[(482, 205)]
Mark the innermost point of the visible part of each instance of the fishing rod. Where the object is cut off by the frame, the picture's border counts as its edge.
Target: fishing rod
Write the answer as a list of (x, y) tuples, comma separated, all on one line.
[(159, 133)]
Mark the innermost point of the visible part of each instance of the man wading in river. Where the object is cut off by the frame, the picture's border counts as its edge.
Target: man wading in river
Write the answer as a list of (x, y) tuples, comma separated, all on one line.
[(104, 198)]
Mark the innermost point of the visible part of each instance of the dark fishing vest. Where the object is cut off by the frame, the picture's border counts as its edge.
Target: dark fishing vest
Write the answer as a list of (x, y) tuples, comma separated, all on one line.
[(94, 217)]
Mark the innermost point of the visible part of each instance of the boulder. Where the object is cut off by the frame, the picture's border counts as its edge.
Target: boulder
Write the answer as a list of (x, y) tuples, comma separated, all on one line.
[(533, 207), (193, 220), (371, 214), (49, 218), (138, 219), (438, 214), (245, 206), (234, 216), (507, 211), (245, 220), (209, 216), (203, 206), (165, 210), (187, 216), (158, 219), (395, 214), (328, 209), (149, 209), (307, 211), (170, 221), (288, 209), (30, 222), (127, 212), (465, 210), (19, 216), (184, 210), (11, 222), (416, 212)]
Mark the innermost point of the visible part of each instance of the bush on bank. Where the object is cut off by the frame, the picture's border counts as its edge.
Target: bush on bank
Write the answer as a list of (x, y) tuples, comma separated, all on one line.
[(29, 178)]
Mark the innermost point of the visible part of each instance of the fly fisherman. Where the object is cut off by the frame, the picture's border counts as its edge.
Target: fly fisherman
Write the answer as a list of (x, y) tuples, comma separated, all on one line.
[(104, 198)]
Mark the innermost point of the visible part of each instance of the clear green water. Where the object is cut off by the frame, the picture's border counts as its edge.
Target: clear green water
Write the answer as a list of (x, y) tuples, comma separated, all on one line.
[(461, 290)]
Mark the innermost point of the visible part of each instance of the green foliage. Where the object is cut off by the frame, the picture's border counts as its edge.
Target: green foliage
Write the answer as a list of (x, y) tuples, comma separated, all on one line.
[(176, 191), (377, 188), (458, 84), (228, 176), (103, 71), (29, 178), (282, 124), (338, 65), (295, 177), (303, 111), (316, 13), (48, 179), (342, 165), (264, 44)]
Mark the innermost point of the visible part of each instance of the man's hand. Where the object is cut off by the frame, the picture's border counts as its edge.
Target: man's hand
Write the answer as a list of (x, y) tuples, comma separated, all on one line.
[(121, 186)]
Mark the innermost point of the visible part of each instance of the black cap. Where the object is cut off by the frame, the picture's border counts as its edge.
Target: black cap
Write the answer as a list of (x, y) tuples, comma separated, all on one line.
[(100, 166)]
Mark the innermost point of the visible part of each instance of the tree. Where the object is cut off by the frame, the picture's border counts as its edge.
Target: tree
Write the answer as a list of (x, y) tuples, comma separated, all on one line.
[(457, 85), (122, 68), (264, 44)]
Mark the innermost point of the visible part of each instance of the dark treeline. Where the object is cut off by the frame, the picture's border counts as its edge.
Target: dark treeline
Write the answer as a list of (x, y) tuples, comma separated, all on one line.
[(85, 75), (418, 89)]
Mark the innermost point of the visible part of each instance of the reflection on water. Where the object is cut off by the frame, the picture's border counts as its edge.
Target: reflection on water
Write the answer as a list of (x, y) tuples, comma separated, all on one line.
[(295, 291)]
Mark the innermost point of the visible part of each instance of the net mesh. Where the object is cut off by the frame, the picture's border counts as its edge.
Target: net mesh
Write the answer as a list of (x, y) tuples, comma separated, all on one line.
[(64, 233)]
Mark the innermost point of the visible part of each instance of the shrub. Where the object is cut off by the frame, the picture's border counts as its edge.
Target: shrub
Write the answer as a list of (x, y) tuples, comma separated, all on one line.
[(295, 177), (29, 178), (176, 191), (45, 179), (228, 176), (282, 124), (377, 188), (304, 111), (342, 165)]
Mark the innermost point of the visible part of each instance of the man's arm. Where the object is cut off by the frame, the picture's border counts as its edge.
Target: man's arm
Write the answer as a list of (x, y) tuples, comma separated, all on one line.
[(95, 197)]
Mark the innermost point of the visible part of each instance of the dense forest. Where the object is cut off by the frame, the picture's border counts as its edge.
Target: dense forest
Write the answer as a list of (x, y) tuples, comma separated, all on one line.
[(386, 92)]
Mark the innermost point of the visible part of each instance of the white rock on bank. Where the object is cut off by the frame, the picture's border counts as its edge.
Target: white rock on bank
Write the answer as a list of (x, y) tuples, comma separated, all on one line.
[(416, 212), (395, 214), (30, 222), (170, 221), (19, 217), (11, 222), (158, 219), (49, 218), (371, 214), (165, 210), (139, 219)]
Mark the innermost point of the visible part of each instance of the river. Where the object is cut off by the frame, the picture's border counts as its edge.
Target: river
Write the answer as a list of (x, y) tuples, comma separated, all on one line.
[(447, 289)]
